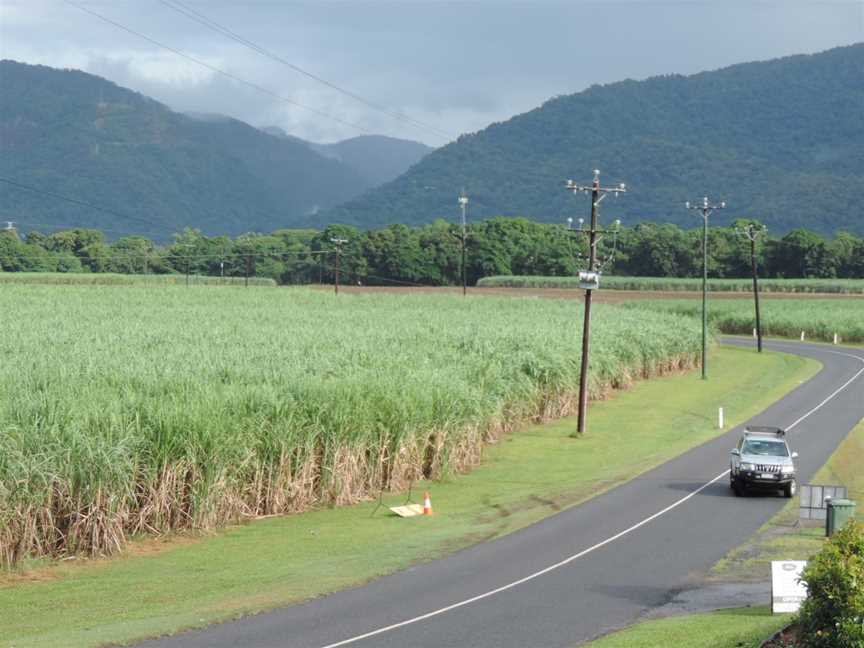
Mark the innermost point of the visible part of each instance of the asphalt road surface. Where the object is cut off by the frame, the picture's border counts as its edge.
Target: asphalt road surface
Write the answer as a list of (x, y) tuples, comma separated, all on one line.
[(585, 571)]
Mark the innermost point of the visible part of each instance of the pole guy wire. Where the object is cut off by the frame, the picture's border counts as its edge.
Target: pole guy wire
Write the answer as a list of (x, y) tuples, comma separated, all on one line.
[(215, 69), (211, 24), (83, 203)]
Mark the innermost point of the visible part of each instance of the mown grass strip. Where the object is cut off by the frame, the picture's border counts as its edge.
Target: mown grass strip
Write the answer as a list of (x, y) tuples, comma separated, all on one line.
[(612, 282), (734, 628), (160, 587)]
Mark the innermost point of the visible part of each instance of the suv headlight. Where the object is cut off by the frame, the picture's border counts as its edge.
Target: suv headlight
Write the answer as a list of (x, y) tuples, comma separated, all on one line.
[(747, 466), (787, 470)]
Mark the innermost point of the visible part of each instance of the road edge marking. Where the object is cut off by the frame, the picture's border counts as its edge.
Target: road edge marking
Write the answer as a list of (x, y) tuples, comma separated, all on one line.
[(530, 577), (835, 392)]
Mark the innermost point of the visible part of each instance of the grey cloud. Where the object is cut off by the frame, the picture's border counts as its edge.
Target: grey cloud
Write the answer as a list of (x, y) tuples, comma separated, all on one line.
[(457, 65)]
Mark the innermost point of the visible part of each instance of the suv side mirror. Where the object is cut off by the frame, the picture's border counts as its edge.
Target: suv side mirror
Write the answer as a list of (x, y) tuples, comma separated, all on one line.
[(735, 452), (794, 455)]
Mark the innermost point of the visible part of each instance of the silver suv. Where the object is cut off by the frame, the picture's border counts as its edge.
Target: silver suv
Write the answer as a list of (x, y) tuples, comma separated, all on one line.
[(762, 461)]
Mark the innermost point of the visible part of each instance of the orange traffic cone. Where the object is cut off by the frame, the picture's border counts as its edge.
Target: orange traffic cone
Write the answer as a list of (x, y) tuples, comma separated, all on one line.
[(427, 504)]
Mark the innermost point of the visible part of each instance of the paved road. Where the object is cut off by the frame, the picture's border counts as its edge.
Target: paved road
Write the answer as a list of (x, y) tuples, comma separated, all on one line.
[(582, 572)]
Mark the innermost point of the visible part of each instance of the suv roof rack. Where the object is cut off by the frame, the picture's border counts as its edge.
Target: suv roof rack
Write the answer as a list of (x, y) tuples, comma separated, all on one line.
[(765, 429)]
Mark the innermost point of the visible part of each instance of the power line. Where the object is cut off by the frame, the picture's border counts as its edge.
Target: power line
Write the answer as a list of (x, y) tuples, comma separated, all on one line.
[(156, 255), (213, 68), (201, 19), (83, 203), (53, 228), (366, 275), (76, 201)]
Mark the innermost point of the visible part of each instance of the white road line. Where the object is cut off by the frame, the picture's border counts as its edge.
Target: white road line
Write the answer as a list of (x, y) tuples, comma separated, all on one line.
[(833, 394), (584, 552), (545, 570)]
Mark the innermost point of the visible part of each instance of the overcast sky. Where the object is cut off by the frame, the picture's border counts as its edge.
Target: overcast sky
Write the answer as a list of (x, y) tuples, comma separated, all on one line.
[(456, 66)]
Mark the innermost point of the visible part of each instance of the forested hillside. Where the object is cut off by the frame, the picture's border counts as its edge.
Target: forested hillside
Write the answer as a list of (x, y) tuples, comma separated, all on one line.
[(781, 141), (377, 158), (81, 136)]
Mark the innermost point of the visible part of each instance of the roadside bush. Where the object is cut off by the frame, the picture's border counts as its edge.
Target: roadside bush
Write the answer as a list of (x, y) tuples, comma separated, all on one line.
[(833, 614)]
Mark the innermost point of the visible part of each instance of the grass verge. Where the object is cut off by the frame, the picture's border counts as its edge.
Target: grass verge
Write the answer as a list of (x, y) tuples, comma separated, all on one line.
[(737, 628), (162, 586)]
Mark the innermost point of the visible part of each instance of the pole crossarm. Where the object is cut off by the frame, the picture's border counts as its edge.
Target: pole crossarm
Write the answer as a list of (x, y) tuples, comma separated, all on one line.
[(752, 231), (602, 192), (705, 206), (614, 230)]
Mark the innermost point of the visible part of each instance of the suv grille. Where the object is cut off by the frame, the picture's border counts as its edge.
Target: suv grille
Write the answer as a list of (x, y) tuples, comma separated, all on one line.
[(767, 468)]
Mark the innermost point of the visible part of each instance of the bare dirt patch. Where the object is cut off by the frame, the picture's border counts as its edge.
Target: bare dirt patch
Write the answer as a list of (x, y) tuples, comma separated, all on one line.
[(786, 638)]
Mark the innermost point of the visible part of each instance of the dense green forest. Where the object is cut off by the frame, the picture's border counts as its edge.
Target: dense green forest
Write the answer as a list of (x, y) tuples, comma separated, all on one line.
[(781, 141), (153, 171), (377, 158), (431, 255)]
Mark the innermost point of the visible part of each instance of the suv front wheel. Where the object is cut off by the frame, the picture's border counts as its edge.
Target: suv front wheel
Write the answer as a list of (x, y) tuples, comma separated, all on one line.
[(790, 489)]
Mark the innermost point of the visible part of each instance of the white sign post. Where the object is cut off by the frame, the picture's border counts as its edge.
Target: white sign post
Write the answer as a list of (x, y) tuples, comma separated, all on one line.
[(787, 592)]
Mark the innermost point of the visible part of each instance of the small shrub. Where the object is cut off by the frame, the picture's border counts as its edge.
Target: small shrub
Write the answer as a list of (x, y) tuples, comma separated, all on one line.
[(833, 614)]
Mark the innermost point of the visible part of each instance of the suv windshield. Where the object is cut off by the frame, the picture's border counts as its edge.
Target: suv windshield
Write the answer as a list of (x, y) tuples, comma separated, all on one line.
[(765, 448)]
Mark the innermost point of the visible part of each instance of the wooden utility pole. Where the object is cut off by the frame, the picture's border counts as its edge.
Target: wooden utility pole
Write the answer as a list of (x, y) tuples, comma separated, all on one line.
[(753, 231), (588, 279), (188, 247), (706, 208), (338, 242), (463, 202)]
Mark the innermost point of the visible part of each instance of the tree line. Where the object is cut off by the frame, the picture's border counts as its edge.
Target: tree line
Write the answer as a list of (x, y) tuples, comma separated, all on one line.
[(431, 254)]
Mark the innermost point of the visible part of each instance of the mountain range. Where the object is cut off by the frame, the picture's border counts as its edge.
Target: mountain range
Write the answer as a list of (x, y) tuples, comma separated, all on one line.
[(781, 141), (377, 158), (152, 171)]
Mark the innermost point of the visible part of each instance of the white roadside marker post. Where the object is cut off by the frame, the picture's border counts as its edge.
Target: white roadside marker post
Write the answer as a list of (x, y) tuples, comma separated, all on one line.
[(720, 418)]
